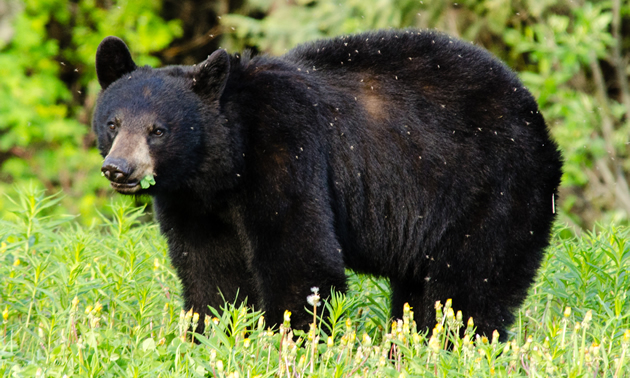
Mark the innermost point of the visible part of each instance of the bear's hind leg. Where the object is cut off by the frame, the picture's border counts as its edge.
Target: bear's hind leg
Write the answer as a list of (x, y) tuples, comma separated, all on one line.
[(413, 294), (476, 301)]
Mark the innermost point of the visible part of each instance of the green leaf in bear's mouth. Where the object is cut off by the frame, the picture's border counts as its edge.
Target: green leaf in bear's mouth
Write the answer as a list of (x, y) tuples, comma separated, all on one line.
[(147, 181)]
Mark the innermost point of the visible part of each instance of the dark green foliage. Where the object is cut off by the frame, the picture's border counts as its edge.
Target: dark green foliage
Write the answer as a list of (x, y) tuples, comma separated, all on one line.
[(48, 87), (571, 57)]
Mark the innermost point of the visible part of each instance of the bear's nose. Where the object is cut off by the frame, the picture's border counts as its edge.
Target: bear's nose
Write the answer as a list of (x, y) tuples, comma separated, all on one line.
[(116, 169)]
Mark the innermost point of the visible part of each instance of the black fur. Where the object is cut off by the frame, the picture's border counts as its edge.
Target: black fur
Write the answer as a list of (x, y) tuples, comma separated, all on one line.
[(403, 154)]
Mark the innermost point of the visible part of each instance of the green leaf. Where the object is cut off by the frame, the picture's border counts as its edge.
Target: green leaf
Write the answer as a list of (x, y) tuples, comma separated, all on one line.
[(147, 181)]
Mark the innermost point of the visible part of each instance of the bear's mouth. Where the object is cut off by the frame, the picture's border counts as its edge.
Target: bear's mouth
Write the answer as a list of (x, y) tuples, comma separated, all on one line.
[(126, 187)]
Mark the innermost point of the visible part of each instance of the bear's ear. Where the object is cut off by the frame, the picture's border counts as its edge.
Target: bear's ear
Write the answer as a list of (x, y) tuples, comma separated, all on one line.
[(211, 75), (113, 60)]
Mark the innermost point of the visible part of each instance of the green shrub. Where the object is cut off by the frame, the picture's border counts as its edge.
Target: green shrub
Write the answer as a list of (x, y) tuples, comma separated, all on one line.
[(48, 87)]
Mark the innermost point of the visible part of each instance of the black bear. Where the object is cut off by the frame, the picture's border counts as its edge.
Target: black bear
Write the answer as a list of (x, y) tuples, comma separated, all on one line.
[(405, 154)]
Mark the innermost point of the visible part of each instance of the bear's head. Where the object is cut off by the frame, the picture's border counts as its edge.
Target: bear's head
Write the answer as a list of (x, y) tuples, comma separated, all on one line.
[(159, 129)]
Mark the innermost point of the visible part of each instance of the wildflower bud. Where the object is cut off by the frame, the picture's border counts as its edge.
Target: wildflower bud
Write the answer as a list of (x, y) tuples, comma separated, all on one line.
[(156, 264), (471, 323), (438, 311), (3, 247), (358, 357), (495, 336), (165, 306), (367, 340), (246, 343), (434, 344), (348, 323), (5, 314), (381, 361), (195, 321), (450, 314), (484, 339), (206, 324), (312, 329), (595, 349), (75, 302), (626, 335), (220, 366), (88, 309), (466, 340), (416, 338), (567, 312), (215, 321), (287, 318), (330, 342), (530, 339), (98, 307), (449, 303), (577, 326), (439, 328), (459, 317), (261, 322), (587, 318), (406, 307), (16, 262), (213, 355)]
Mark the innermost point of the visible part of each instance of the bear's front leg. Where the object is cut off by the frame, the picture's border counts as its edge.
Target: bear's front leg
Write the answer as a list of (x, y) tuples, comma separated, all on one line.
[(211, 265), (295, 253)]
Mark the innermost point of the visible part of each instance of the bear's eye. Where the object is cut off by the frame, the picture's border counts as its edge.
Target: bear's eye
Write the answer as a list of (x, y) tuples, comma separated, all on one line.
[(158, 132), (111, 125)]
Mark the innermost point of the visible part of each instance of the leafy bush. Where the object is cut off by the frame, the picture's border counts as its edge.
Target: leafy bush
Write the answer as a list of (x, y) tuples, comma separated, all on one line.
[(48, 88)]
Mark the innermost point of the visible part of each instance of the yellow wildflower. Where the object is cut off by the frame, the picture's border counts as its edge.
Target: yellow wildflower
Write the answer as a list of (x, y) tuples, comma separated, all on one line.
[(567, 312)]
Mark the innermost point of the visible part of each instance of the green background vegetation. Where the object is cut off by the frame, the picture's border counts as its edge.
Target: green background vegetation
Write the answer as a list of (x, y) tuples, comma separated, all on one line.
[(96, 296), (573, 55)]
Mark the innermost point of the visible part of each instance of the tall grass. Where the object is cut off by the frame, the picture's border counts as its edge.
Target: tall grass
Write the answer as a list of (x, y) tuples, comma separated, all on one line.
[(103, 301)]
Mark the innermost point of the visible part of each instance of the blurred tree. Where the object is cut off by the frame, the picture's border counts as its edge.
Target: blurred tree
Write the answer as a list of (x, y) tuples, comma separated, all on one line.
[(201, 29)]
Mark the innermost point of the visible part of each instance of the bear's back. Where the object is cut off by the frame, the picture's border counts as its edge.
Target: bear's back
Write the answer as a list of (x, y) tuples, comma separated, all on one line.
[(400, 52)]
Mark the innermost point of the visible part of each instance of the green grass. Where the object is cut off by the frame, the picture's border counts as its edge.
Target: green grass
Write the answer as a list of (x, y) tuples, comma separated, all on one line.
[(104, 301)]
